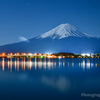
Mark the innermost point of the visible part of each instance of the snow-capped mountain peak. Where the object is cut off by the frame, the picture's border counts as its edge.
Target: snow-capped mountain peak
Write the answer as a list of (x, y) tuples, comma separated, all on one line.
[(63, 31)]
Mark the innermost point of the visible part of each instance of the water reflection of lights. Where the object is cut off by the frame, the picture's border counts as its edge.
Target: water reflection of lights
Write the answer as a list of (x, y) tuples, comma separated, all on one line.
[(64, 64), (72, 64), (55, 64), (95, 64), (59, 63), (86, 63), (3, 64), (45, 63), (35, 63), (24, 64), (79, 64), (17, 64), (30, 64), (92, 64), (40, 63), (49, 64), (52, 63), (68, 63), (8, 64), (83, 64), (11, 65)]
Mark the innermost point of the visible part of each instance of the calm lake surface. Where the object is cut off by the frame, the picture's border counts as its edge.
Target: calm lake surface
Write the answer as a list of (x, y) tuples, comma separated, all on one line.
[(49, 79)]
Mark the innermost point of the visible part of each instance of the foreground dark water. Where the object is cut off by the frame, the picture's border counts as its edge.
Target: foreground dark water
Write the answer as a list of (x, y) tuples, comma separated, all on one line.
[(49, 79)]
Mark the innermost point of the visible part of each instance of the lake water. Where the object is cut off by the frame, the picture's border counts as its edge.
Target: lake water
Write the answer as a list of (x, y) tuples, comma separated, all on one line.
[(49, 79)]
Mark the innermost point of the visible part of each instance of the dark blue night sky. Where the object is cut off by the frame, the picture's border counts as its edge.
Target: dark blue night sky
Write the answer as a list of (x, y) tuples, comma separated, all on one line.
[(30, 18)]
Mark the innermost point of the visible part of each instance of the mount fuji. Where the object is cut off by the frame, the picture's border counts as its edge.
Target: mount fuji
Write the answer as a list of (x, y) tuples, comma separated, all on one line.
[(63, 38), (63, 31)]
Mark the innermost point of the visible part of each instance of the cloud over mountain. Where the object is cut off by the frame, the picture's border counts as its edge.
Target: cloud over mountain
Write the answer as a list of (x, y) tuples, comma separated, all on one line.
[(21, 38)]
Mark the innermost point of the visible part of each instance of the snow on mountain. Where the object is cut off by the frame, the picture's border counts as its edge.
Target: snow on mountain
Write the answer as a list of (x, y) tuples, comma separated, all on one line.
[(63, 31)]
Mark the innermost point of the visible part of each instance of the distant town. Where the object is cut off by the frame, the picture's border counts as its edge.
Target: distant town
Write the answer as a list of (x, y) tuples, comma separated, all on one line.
[(55, 55)]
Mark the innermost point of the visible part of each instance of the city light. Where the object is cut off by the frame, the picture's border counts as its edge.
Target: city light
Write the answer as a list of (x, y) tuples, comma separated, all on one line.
[(35, 54), (3, 54), (17, 53), (44, 54), (11, 53), (23, 54), (85, 54), (56, 55), (29, 54), (39, 54), (59, 57)]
